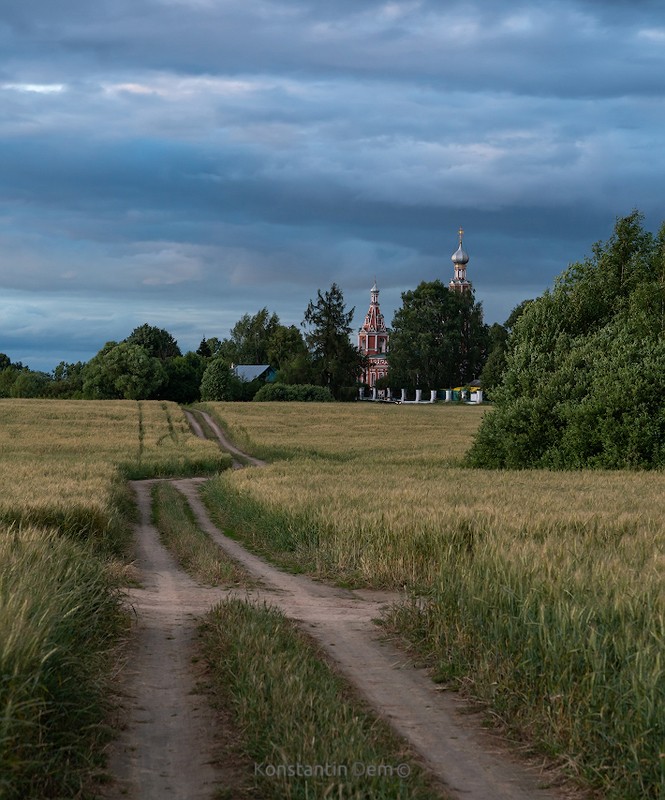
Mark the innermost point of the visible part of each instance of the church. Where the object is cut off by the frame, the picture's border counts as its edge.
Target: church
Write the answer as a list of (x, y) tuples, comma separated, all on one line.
[(373, 336)]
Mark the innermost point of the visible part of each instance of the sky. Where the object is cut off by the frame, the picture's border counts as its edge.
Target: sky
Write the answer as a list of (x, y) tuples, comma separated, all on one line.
[(183, 162)]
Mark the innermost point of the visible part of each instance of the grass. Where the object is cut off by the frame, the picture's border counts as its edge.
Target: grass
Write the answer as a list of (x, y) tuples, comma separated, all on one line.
[(167, 448), (194, 550), (64, 462), (64, 532), (539, 592), (305, 730), (59, 620)]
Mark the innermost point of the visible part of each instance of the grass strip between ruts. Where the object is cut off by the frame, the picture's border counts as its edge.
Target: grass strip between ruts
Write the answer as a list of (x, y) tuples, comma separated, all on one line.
[(194, 550), (307, 733)]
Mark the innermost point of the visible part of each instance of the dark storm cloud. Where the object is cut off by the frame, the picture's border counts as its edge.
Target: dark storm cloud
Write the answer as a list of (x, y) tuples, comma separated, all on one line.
[(475, 46), (191, 160)]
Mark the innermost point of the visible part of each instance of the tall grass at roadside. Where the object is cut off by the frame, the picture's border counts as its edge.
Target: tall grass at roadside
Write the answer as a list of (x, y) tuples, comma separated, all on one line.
[(167, 448), (334, 521), (193, 548), (59, 618), (540, 592), (295, 711), (567, 647)]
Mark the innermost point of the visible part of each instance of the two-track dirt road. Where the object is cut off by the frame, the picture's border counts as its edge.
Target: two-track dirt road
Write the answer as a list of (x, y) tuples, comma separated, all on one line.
[(168, 743)]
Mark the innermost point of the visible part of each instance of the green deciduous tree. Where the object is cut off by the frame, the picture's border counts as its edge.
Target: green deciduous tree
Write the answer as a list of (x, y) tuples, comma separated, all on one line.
[(288, 354), (219, 382), (183, 379), (8, 376), (122, 370), (585, 368), (336, 363), (67, 380), (438, 338), (155, 341), (498, 344), (250, 339), (30, 384)]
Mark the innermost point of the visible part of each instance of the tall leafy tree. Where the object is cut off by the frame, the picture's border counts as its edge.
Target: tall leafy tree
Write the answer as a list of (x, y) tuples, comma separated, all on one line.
[(209, 348), (183, 379), (498, 345), (8, 374), (219, 382), (122, 370), (29, 383), (438, 338), (157, 342), (288, 353), (250, 339), (336, 363), (585, 369), (67, 380)]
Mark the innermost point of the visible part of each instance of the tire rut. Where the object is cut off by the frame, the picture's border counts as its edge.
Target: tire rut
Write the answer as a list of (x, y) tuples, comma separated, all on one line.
[(165, 748), (469, 762)]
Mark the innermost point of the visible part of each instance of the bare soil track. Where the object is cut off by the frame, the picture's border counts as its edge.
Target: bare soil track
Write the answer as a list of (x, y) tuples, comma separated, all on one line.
[(167, 747)]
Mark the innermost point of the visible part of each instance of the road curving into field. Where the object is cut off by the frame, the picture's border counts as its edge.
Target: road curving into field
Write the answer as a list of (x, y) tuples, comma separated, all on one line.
[(471, 763), (167, 747), (241, 459)]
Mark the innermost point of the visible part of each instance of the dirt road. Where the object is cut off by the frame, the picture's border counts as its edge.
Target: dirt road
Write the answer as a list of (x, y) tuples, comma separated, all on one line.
[(468, 761), (167, 746)]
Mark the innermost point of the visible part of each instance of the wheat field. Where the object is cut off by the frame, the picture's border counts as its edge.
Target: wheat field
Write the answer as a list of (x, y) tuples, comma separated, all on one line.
[(539, 592), (387, 483), (61, 460)]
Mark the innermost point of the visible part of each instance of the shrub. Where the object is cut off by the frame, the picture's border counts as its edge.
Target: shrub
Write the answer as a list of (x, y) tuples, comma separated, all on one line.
[(304, 393)]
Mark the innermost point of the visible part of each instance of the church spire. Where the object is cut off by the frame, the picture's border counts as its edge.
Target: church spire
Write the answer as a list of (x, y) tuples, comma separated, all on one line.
[(460, 259), (373, 340)]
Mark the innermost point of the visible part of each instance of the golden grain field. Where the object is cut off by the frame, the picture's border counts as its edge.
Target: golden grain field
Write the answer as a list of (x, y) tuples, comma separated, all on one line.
[(61, 458), (63, 523), (380, 477), (541, 592)]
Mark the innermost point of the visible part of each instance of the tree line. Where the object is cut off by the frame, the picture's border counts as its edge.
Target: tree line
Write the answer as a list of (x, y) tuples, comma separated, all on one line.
[(438, 340), (576, 376)]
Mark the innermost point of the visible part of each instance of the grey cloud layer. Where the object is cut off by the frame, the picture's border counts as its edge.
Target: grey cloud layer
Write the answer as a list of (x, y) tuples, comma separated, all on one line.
[(198, 150)]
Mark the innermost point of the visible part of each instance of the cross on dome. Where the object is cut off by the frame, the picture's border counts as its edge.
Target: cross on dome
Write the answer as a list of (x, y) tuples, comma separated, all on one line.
[(459, 256)]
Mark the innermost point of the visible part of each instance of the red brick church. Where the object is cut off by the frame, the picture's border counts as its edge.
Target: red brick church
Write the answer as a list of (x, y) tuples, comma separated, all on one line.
[(373, 336), (373, 341)]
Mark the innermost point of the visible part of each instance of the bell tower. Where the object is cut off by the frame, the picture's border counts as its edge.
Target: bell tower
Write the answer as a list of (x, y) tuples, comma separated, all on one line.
[(373, 340), (460, 259)]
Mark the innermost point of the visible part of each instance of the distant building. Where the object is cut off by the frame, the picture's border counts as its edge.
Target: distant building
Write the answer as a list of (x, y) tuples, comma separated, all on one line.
[(373, 341), (373, 337), (249, 372), (460, 259)]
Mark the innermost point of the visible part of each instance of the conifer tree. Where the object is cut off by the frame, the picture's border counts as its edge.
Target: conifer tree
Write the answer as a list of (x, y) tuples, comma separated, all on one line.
[(336, 363)]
